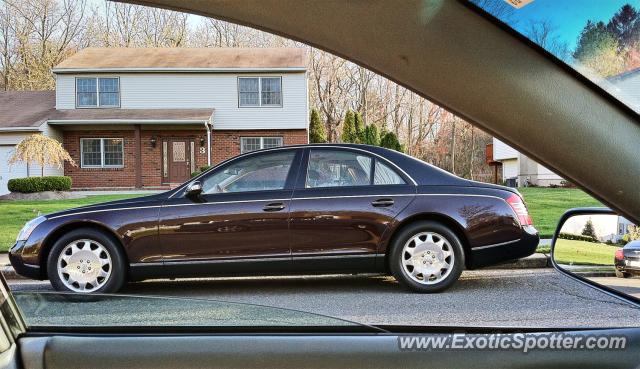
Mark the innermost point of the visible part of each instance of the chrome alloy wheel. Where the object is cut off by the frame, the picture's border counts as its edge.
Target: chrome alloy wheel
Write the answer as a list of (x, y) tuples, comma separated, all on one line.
[(84, 265), (427, 258)]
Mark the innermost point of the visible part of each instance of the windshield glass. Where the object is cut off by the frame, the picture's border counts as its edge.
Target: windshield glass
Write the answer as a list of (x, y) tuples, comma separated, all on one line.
[(599, 39), (327, 190), (45, 309)]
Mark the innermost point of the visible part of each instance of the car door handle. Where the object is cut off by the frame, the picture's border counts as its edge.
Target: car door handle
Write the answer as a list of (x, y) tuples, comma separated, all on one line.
[(274, 206), (382, 203)]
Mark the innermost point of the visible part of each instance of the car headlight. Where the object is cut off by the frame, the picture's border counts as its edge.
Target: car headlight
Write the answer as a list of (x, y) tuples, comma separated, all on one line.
[(25, 232)]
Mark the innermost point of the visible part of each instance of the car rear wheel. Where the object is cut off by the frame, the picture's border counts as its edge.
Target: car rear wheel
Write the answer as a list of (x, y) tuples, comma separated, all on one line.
[(86, 261), (426, 257), (621, 274)]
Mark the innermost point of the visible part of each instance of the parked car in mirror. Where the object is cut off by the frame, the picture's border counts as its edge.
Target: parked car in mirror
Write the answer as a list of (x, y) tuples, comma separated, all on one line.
[(326, 208)]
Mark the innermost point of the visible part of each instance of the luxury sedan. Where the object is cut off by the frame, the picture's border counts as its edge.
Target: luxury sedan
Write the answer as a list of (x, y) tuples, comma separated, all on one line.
[(627, 260), (329, 208)]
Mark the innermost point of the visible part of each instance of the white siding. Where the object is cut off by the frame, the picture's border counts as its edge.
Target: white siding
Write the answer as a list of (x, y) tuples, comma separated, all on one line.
[(196, 90), (17, 170), (544, 173), (627, 90), (502, 151), (510, 168)]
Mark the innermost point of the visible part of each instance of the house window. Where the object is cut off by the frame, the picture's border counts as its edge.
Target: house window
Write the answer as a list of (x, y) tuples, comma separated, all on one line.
[(257, 143), (98, 92), (102, 152), (259, 91)]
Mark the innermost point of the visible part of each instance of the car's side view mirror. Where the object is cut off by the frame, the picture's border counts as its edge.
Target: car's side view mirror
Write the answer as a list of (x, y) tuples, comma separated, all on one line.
[(601, 248), (194, 189)]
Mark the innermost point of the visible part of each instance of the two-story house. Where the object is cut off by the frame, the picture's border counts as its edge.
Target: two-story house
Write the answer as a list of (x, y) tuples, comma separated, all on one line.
[(148, 117)]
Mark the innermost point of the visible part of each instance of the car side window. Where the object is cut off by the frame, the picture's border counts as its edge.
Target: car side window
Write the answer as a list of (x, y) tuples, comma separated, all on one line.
[(260, 172), (384, 175), (338, 168)]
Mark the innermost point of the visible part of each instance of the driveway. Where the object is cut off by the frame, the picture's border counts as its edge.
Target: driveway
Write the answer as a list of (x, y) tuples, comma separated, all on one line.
[(507, 297)]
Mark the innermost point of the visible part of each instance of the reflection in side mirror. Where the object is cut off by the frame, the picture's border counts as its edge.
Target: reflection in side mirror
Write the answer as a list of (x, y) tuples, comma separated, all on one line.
[(601, 247), (194, 189)]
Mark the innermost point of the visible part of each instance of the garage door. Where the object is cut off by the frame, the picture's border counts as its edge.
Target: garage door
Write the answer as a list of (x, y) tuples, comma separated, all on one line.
[(17, 170)]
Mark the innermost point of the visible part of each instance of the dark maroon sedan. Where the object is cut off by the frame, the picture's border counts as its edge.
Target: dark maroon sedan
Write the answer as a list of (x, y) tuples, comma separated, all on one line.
[(326, 208)]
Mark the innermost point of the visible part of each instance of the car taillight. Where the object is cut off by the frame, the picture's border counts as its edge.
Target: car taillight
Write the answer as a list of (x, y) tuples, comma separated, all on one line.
[(521, 211), (619, 254)]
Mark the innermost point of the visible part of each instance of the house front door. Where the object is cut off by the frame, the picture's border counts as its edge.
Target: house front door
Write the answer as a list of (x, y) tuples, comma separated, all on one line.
[(178, 160)]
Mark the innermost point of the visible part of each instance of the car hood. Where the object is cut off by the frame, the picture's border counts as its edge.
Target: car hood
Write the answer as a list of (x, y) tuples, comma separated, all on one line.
[(150, 200)]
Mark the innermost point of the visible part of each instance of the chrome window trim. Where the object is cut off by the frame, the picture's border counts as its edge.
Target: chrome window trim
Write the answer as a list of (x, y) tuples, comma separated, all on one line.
[(495, 245), (179, 188)]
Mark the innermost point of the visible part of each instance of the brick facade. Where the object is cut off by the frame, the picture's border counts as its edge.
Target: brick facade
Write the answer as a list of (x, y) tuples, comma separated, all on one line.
[(224, 145)]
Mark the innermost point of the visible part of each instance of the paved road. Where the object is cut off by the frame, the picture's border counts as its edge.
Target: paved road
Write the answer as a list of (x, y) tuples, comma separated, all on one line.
[(629, 286), (529, 297)]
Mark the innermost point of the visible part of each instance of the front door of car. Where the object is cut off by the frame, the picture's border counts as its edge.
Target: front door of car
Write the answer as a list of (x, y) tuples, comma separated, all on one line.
[(242, 213), (342, 206)]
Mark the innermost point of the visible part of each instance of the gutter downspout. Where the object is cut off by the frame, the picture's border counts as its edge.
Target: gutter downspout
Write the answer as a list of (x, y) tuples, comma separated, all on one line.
[(208, 125)]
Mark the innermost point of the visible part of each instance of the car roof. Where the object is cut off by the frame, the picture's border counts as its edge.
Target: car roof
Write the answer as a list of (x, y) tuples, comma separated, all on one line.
[(453, 54)]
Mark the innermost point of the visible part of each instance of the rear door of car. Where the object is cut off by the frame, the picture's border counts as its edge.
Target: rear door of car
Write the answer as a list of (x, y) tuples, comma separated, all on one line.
[(340, 209)]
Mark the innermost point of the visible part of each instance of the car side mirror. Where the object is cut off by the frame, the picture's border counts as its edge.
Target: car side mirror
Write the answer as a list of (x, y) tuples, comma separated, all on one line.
[(601, 248), (194, 190)]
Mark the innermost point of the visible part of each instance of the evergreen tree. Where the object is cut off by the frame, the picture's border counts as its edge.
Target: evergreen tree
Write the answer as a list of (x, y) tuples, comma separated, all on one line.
[(390, 141), (359, 127), (588, 230), (348, 128), (316, 128), (371, 136), (625, 26), (597, 49)]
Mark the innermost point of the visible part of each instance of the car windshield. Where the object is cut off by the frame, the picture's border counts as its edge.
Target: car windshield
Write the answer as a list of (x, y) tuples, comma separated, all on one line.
[(599, 39), (254, 180), (56, 310)]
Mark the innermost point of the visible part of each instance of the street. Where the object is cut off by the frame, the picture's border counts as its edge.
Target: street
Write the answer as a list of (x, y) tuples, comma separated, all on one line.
[(630, 286), (508, 297)]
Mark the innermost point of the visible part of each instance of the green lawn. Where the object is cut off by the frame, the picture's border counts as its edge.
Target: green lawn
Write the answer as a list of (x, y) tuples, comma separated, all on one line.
[(13, 214), (584, 253), (546, 205)]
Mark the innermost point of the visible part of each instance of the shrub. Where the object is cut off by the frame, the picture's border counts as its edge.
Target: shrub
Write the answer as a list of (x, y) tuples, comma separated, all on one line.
[(38, 184), (316, 128), (197, 172), (577, 237), (204, 167)]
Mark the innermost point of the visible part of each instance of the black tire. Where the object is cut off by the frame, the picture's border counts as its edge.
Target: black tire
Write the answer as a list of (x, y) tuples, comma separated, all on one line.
[(620, 274), (117, 267), (396, 255)]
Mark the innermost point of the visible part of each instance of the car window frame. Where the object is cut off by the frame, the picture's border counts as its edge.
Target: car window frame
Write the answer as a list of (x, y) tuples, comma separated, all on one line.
[(301, 181), (289, 182)]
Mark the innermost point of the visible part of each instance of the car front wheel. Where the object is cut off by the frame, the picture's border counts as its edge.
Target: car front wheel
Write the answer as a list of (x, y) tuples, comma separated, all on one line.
[(86, 261), (427, 257)]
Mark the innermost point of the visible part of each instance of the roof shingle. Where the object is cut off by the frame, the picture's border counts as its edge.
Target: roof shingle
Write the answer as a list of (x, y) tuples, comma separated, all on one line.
[(25, 108), (185, 58)]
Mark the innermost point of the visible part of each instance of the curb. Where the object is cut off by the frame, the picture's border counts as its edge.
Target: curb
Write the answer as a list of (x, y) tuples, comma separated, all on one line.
[(10, 273), (534, 261), (595, 274)]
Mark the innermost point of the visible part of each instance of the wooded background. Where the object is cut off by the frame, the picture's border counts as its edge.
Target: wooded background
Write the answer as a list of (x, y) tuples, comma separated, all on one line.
[(35, 35)]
